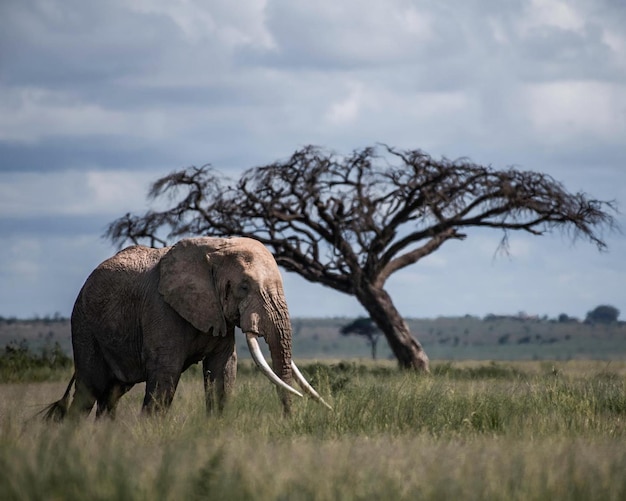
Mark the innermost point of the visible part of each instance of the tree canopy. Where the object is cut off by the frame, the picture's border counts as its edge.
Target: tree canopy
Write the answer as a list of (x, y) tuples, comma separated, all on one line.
[(350, 221), (603, 314), (363, 326)]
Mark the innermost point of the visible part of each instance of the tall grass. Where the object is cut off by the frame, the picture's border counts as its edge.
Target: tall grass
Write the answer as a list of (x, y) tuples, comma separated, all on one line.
[(467, 432)]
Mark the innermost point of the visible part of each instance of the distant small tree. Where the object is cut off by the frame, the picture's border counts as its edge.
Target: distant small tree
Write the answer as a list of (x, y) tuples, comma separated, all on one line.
[(603, 314), (365, 327), (565, 318)]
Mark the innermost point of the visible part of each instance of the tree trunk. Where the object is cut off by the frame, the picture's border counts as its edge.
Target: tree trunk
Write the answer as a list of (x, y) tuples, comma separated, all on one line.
[(373, 343), (405, 347)]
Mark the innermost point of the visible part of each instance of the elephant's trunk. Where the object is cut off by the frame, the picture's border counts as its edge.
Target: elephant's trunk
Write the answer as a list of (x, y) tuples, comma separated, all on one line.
[(278, 334), (280, 348)]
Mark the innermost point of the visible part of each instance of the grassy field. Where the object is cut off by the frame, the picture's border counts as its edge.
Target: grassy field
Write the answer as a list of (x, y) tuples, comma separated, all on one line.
[(471, 430)]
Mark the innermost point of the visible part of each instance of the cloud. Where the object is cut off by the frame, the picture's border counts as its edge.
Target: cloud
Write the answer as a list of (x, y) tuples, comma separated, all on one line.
[(560, 111), (553, 13), (41, 273), (43, 113), (233, 25), (72, 193), (347, 109), (349, 34), (113, 42), (23, 255)]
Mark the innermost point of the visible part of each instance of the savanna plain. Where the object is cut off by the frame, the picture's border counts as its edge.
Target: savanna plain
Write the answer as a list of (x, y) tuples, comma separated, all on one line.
[(470, 430)]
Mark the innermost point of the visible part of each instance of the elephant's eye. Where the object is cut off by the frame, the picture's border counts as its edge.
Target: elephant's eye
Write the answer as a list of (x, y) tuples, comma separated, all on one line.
[(244, 287)]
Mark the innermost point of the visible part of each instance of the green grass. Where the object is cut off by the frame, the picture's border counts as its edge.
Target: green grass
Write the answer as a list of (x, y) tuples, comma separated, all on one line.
[(470, 431)]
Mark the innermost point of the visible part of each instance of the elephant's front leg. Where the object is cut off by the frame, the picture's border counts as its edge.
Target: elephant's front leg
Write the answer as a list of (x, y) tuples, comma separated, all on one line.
[(160, 388), (220, 372)]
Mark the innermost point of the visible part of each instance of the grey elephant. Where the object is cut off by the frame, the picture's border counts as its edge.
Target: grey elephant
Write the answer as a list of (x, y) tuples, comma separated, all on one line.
[(148, 314)]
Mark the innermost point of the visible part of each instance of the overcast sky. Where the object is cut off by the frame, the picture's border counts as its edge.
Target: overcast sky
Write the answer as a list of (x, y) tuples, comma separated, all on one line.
[(98, 99)]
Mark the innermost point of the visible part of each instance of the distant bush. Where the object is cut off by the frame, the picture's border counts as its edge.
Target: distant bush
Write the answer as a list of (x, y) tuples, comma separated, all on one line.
[(564, 318), (603, 314), (504, 339), (18, 362)]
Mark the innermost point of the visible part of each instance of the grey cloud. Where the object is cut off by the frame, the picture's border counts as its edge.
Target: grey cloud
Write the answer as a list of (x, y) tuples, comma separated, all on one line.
[(71, 43), (551, 53), (103, 152), (48, 225), (109, 54), (458, 45), (333, 37)]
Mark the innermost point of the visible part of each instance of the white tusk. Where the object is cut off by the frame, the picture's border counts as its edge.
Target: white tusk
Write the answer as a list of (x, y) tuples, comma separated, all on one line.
[(304, 384), (259, 359)]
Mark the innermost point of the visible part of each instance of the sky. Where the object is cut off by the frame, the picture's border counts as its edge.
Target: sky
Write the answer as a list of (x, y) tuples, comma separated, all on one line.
[(99, 99)]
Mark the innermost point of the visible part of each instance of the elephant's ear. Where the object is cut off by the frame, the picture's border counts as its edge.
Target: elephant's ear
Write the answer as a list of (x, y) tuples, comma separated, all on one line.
[(187, 285)]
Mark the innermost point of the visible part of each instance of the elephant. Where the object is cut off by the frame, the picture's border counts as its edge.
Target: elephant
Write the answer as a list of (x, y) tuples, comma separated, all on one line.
[(147, 314)]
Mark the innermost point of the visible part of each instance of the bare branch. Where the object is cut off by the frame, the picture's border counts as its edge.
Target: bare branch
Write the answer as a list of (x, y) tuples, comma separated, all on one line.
[(415, 255)]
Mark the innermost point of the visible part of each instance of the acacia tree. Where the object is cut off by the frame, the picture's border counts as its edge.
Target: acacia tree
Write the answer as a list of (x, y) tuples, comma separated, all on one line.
[(363, 326), (350, 222)]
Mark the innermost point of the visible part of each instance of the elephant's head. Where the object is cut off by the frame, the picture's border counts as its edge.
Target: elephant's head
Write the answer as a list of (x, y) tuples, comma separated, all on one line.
[(219, 283)]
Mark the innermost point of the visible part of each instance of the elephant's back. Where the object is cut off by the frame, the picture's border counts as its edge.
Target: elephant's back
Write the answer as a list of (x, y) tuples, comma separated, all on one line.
[(135, 259), (117, 286)]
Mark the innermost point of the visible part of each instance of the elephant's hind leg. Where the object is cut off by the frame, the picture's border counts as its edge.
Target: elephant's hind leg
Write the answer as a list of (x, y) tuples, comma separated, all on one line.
[(108, 401), (83, 400)]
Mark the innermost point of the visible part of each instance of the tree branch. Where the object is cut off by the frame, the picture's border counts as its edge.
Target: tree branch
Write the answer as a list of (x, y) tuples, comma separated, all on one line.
[(415, 255)]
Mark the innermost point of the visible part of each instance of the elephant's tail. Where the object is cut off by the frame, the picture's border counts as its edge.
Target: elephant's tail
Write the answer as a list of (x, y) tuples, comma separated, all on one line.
[(58, 410)]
